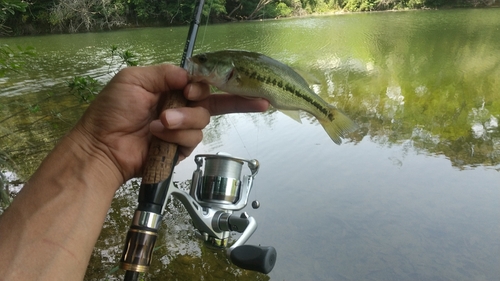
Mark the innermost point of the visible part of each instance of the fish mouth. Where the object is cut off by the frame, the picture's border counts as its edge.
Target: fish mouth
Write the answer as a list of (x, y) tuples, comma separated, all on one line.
[(230, 75), (196, 72), (190, 66)]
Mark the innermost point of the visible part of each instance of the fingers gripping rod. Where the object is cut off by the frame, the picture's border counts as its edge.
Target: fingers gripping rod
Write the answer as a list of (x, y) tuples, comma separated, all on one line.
[(157, 175)]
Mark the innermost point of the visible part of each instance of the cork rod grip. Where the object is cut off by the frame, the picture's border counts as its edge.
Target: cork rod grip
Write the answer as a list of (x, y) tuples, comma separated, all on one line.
[(162, 156)]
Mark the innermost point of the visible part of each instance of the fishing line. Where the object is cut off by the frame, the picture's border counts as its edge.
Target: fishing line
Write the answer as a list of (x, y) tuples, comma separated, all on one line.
[(206, 23), (238, 133), (201, 45), (254, 193)]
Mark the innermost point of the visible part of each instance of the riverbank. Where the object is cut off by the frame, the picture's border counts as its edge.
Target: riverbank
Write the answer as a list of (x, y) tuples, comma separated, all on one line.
[(47, 19)]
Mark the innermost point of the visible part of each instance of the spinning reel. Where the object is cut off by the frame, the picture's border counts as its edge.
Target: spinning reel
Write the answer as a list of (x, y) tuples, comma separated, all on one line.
[(213, 197), (216, 192)]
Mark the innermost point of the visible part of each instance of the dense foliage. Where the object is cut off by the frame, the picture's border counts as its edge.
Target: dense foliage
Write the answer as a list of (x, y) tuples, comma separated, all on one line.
[(39, 16)]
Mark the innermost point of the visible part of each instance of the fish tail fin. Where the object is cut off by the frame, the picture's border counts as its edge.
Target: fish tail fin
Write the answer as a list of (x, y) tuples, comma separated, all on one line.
[(338, 126)]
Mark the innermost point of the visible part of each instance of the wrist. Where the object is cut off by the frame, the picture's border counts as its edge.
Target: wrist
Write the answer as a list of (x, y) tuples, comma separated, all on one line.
[(53, 224), (96, 158)]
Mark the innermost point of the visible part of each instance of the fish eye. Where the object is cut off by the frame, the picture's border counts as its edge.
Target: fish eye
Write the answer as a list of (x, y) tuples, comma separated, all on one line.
[(202, 58)]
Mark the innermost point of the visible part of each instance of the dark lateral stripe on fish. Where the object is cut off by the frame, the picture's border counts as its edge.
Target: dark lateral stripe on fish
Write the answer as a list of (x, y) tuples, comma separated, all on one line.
[(287, 87)]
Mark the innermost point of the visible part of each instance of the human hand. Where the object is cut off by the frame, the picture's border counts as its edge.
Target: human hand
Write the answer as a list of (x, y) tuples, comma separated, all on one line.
[(118, 124)]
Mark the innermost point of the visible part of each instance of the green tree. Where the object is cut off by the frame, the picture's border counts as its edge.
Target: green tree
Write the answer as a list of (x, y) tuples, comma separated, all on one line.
[(283, 10), (9, 8), (252, 9), (87, 15), (361, 5)]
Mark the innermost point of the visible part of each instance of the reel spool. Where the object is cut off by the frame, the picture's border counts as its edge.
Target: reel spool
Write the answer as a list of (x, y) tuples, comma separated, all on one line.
[(220, 185)]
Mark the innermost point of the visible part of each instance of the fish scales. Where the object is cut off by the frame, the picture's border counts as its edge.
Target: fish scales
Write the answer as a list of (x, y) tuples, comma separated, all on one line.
[(288, 87), (252, 74)]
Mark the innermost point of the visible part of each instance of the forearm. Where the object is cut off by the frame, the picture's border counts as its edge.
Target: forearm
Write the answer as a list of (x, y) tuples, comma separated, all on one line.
[(50, 229)]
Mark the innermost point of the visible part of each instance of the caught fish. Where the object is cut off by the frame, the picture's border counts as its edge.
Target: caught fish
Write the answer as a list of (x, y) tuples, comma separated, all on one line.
[(252, 74)]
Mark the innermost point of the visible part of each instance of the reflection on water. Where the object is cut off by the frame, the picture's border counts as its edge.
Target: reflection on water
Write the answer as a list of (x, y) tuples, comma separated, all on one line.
[(413, 194), (366, 211)]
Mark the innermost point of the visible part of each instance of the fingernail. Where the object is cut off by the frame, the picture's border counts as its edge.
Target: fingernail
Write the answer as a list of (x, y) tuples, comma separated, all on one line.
[(197, 90), (191, 92), (174, 118), (156, 126)]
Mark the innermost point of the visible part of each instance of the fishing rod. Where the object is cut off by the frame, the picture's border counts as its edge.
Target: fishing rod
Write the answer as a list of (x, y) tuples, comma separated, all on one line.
[(157, 175), (216, 192)]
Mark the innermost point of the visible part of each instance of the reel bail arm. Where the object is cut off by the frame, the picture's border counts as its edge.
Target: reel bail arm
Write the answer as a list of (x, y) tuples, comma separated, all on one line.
[(216, 197)]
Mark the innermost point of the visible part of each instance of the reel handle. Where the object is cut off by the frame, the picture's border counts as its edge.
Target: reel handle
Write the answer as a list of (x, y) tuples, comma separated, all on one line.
[(256, 258)]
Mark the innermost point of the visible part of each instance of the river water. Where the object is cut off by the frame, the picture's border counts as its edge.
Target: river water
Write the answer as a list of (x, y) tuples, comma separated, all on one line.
[(413, 194)]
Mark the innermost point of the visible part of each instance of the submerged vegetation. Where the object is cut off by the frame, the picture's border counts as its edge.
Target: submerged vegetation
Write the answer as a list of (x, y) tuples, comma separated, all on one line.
[(24, 125), (11, 60), (35, 16)]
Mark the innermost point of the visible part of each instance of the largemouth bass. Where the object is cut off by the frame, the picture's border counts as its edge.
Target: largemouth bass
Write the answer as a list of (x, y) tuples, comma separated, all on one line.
[(252, 74)]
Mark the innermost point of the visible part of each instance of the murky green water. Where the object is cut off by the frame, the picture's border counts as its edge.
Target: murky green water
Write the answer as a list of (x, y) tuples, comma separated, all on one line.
[(412, 195)]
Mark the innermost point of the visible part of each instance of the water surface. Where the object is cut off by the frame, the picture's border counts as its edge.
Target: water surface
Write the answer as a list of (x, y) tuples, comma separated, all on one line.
[(412, 195)]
